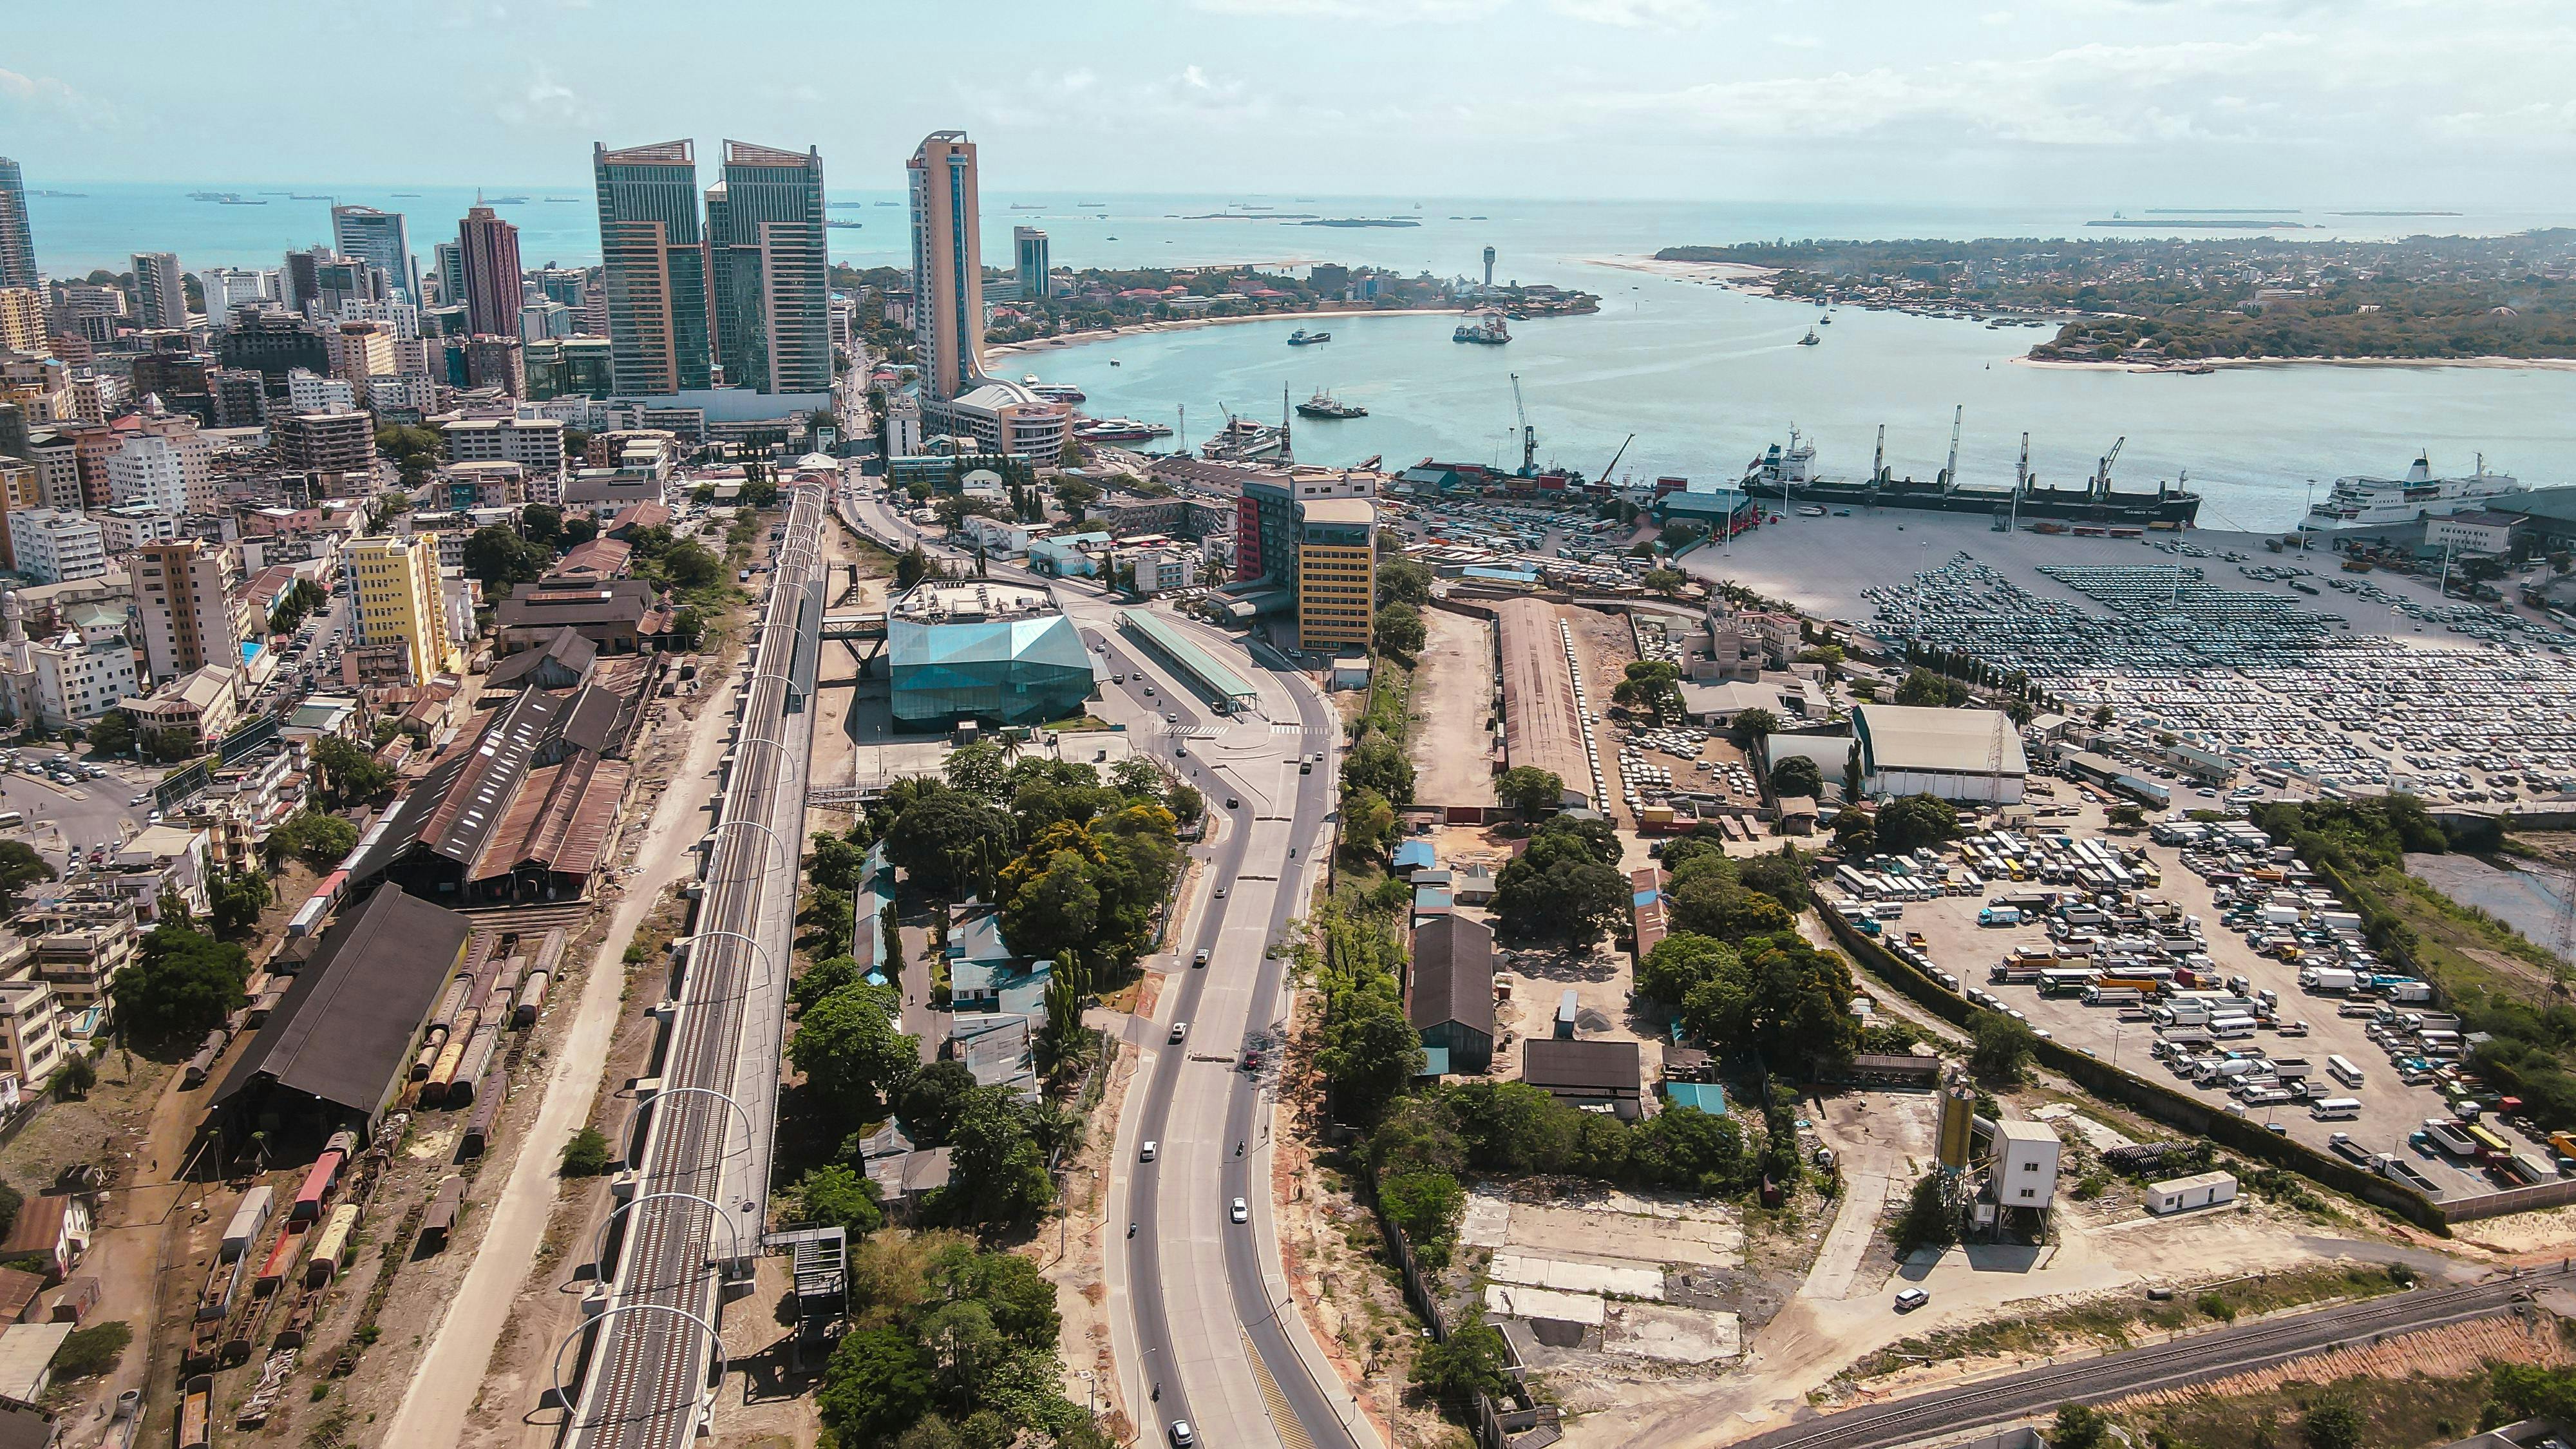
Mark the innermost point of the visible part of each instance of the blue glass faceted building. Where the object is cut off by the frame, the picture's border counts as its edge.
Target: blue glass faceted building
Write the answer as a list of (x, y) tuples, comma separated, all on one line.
[(999, 653)]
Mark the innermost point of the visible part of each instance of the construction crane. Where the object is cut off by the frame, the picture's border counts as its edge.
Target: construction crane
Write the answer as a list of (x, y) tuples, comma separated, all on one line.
[(1615, 457), (1529, 435)]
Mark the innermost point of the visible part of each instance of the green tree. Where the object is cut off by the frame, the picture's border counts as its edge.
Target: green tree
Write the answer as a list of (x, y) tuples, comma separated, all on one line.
[(2332, 1423), (2126, 815), (181, 984), (501, 558), (1467, 1363), (1925, 689), (1653, 685), (1370, 1050), (834, 1196), (2001, 1049), (315, 837), (1782, 877), (2078, 1427), (1666, 582), (997, 1174), (1428, 1207), (112, 734), (980, 769), (20, 867), (542, 523), (75, 1076), (850, 1053), (1398, 630), (823, 978), (346, 772), (929, 1103), (1728, 911), (1402, 581), (1750, 725), (1576, 901), (1367, 820), (1680, 963), (1914, 821), (579, 529), (1530, 790), (1795, 776), (586, 1154), (1380, 764), (1929, 1220), (877, 1384), (239, 897), (949, 843), (89, 1352)]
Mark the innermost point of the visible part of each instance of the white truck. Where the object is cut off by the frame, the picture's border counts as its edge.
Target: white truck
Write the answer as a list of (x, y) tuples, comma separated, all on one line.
[(2333, 980)]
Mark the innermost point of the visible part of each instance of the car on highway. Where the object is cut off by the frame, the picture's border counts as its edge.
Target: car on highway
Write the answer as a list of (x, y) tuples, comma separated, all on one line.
[(1220, 890), (1180, 1029), (1239, 1213), (1909, 1299), (1147, 1153), (1232, 803), (1201, 958), (1149, 691), (1183, 1436)]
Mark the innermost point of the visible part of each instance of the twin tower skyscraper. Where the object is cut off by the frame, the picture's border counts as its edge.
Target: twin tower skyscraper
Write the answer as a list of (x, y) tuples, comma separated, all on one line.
[(742, 296)]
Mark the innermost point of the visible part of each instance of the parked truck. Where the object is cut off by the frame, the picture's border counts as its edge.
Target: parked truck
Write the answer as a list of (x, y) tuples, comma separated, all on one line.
[(2451, 1137), (2112, 996), (2329, 979)]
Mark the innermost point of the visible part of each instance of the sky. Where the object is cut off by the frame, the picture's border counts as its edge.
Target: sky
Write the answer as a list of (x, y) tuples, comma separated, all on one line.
[(2389, 103)]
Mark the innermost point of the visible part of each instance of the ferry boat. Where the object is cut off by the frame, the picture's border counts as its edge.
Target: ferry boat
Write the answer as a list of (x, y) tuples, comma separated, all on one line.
[(2362, 502), (1789, 475), (1303, 338), (1063, 392), (1121, 430), (1243, 440), (1322, 405), (1485, 327)]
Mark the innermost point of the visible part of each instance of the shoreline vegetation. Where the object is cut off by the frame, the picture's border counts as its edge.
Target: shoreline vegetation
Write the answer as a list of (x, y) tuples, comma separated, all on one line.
[(2192, 305)]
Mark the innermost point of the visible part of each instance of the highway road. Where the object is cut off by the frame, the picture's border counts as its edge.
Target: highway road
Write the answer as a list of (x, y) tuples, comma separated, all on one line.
[(705, 1145), (1204, 1305), (2185, 1361)]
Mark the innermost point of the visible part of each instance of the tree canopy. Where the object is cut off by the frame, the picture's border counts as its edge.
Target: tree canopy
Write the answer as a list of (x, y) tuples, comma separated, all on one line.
[(181, 984)]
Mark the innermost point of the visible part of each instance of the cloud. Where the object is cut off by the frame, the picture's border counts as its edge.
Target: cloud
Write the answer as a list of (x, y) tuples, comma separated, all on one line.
[(21, 92), (1635, 14), (1796, 42), (546, 102)]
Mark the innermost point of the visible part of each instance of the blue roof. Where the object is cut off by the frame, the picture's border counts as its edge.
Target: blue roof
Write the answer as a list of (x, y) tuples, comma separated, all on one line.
[(1502, 575), (1646, 897), (1709, 1097), (1415, 853), (978, 939)]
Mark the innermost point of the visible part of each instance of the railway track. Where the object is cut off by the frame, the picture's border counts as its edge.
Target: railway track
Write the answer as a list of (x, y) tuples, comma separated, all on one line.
[(2191, 1360), (645, 1382)]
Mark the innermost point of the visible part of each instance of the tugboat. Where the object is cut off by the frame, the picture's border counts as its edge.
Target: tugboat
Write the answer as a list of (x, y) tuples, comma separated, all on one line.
[(1322, 405), (1303, 338), (1485, 327), (1811, 339)]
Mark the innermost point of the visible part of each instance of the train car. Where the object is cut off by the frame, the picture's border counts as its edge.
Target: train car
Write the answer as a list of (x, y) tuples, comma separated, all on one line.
[(247, 1221), (318, 1182), (473, 1064), (331, 1245), (440, 1220), (280, 1259), (549, 957), (532, 999), (450, 1002), (197, 1413), (488, 1097)]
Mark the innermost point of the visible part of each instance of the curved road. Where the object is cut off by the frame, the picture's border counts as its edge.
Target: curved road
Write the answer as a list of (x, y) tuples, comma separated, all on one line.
[(1206, 1327)]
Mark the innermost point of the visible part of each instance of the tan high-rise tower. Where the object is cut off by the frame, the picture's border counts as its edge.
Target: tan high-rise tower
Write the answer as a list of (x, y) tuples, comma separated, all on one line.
[(947, 265)]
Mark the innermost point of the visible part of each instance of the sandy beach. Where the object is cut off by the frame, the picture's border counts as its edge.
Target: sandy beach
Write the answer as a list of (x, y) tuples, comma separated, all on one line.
[(1326, 316), (1727, 272)]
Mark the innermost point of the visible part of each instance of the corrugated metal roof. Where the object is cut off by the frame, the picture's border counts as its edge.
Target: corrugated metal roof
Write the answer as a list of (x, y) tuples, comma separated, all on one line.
[(1962, 741), (1453, 974)]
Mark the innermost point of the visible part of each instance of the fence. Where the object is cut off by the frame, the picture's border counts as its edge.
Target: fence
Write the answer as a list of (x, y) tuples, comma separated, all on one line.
[(1493, 1423), (2185, 1114)]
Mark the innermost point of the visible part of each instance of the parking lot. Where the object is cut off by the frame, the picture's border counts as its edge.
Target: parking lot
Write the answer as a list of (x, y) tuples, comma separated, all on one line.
[(2175, 915)]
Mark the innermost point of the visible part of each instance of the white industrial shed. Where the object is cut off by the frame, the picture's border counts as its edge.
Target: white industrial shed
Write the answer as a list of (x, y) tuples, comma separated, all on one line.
[(1969, 756), (2182, 1194)]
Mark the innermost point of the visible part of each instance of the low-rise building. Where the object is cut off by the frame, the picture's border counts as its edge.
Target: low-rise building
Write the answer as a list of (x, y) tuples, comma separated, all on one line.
[(620, 617), (191, 712), (30, 1046), (163, 861), (2477, 532)]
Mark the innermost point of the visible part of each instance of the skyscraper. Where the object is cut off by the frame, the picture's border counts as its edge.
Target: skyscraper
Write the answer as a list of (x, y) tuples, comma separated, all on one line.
[(1029, 250), (768, 274), (451, 274), (489, 252), (380, 237), (947, 265), (17, 244), (160, 299), (654, 259)]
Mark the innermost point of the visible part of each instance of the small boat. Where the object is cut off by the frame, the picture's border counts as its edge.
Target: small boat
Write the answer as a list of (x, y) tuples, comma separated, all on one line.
[(1063, 392), (1826, 321), (1323, 405), (1303, 338), (1485, 327), (1811, 339), (1029, 379), (405, 195), (1113, 362), (1810, 510)]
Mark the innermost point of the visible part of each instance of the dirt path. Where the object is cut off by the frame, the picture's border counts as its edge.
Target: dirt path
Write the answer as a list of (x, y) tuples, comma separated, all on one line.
[(445, 1386), (1453, 708)]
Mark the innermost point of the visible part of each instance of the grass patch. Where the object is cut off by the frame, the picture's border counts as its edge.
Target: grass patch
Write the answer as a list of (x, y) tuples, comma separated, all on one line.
[(2115, 1321), (2450, 938), (1075, 724), (2396, 1413)]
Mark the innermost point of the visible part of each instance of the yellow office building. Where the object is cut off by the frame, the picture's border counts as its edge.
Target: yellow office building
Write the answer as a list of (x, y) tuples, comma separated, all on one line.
[(394, 595), (1336, 572)]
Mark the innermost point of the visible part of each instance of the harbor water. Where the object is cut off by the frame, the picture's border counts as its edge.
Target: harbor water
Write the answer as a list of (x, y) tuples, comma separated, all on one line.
[(1704, 376)]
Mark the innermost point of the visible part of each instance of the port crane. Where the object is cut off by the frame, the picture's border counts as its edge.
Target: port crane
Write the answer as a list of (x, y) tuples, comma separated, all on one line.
[(2102, 475), (1529, 435), (1615, 457)]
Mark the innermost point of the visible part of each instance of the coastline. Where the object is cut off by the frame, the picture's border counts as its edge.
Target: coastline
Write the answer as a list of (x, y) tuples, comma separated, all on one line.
[(1728, 273), (2494, 364), (1187, 324)]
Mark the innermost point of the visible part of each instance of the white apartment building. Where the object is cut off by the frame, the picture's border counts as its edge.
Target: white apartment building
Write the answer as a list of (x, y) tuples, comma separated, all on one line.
[(403, 317), (1160, 570), (54, 547), (310, 392), (123, 530), (535, 444), (72, 679), (228, 287), (30, 1047), (148, 472), (416, 393)]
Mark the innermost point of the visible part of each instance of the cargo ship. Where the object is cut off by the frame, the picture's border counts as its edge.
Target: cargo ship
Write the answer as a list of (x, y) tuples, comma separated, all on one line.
[(1789, 475), (1303, 338), (1323, 405), (1484, 327), (1242, 440)]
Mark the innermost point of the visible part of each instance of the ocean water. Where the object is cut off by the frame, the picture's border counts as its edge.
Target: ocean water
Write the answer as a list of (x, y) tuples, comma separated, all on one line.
[(1701, 375)]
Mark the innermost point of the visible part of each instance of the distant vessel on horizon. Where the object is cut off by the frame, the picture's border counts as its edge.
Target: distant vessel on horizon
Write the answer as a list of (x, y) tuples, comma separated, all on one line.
[(505, 201), (1303, 338)]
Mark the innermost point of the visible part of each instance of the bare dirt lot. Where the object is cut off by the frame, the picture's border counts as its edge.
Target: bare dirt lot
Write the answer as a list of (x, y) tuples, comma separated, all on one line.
[(1453, 710)]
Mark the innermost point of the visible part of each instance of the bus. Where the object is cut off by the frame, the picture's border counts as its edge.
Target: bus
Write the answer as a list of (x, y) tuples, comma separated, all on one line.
[(2343, 1071), (2336, 1109)]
